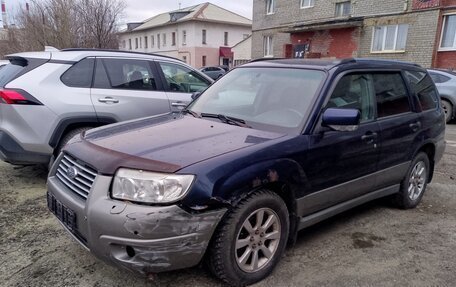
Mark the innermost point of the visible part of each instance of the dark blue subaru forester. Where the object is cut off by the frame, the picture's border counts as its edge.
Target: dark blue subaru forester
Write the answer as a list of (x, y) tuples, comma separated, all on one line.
[(271, 148)]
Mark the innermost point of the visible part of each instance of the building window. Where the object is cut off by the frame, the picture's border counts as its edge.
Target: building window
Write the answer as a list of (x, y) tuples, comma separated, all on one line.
[(164, 40), (129, 44), (449, 33), (184, 37), (184, 58), (270, 7), (204, 36), (343, 9), (158, 41), (225, 39), (140, 42), (146, 42), (173, 38), (203, 60), (267, 44), (391, 38), (124, 44), (136, 43), (307, 3), (152, 41)]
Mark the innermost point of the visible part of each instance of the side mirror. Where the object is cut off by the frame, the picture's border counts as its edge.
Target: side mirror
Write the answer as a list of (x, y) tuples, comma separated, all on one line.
[(196, 95), (341, 119)]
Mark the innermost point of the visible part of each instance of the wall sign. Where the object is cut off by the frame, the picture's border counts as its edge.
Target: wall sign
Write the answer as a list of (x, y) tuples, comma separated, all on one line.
[(425, 4), (300, 50)]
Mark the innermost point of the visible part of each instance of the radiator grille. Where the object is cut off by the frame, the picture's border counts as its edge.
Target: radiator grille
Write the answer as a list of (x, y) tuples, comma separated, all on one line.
[(76, 175)]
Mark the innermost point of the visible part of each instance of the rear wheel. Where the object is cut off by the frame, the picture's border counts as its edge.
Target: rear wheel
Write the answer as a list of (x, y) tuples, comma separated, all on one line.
[(251, 240), (414, 184), (448, 109)]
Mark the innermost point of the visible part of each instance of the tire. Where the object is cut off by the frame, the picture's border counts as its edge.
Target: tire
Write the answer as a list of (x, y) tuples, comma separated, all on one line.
[(448, 109), (63, 141), (225, 260), (414, 183)]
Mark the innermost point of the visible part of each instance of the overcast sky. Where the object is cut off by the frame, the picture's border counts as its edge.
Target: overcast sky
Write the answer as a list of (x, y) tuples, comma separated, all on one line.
[(139, 10)]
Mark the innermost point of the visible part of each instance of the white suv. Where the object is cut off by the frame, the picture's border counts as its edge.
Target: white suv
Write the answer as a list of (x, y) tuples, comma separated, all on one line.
[(48, 97)]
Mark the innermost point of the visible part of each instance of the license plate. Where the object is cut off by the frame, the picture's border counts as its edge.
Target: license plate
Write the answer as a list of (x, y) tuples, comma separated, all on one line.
[(63, 213)]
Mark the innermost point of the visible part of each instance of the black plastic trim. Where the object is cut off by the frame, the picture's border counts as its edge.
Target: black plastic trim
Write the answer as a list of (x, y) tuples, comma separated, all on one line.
[(65, 123)]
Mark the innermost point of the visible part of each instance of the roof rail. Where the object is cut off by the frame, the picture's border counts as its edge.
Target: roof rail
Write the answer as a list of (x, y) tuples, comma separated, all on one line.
[(264, 59), (358, 60), (116, 51)]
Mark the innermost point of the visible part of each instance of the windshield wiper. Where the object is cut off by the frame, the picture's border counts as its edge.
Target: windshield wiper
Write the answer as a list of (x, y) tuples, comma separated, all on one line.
[(226, 119), (187, 111)]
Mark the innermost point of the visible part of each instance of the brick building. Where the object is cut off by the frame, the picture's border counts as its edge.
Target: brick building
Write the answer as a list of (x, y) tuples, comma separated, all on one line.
[(421, 31)]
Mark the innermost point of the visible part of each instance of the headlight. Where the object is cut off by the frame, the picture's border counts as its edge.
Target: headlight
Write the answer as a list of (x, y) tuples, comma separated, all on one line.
[(150, 187)]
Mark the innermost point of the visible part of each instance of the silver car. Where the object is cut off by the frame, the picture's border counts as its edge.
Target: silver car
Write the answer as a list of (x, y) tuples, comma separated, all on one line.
[(446, 84), (48, 97)]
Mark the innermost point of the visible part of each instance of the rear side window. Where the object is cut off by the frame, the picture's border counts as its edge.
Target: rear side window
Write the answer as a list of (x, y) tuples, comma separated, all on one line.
[(391, 94), (423, 87), (125, 74), (80, 74), (438, 78), (9, 72)]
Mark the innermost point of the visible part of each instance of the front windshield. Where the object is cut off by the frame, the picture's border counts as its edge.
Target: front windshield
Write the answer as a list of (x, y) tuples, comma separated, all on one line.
[(275, 99)]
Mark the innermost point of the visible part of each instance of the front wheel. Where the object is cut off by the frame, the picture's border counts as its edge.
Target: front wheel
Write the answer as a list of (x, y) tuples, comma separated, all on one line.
[(414, 184), (251, 239)]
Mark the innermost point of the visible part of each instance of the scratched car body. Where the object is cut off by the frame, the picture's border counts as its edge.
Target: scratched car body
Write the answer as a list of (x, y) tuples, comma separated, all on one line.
[(271, 148)]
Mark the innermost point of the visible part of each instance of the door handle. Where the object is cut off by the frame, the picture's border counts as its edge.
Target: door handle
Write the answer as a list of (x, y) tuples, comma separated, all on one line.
[(108, 100), (415, 126), (179, 105), (369, 137)]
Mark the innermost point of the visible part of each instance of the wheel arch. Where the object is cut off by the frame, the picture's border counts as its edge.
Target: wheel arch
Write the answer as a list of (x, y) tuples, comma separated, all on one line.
[(429, 149), (284, 177), (68, 124)]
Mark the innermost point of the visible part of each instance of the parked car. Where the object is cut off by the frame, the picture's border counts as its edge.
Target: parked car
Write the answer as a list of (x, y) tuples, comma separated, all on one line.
[(446, 85), (48, 97), (271, 148), (213, 72)]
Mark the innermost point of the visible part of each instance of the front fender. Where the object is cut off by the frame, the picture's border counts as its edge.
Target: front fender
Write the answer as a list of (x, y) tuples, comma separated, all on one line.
[(258, 175)]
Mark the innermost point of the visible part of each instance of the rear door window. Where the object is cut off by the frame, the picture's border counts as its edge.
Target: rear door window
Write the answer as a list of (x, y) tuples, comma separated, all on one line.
[(80, 74), (182, 79), (422, 85), (127, 74), (391, 94)]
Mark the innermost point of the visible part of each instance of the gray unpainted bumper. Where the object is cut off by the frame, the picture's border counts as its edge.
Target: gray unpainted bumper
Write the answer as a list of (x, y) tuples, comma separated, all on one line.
[(144, 239), (12, 152)]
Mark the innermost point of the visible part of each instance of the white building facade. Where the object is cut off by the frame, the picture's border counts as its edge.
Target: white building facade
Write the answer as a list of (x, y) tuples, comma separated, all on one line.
[(199, 35)]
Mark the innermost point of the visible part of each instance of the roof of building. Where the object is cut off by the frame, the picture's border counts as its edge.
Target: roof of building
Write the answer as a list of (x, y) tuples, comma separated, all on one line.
[(242, 41), (207, 12)]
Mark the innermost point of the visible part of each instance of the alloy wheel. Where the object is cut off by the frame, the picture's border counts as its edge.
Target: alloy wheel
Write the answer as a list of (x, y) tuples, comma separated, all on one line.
[(257, 240), (417, 180)]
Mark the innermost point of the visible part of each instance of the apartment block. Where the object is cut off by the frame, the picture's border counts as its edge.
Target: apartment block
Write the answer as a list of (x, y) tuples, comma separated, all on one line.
[(421, 31)]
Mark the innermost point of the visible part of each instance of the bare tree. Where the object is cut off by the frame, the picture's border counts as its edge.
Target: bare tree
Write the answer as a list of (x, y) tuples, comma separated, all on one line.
[(67, 24), (100, 22)]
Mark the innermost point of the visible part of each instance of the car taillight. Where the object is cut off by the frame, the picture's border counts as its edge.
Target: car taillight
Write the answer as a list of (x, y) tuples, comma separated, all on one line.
[(17, 97)]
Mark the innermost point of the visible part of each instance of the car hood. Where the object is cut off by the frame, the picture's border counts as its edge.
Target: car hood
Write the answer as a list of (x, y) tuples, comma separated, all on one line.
[(163, 144)]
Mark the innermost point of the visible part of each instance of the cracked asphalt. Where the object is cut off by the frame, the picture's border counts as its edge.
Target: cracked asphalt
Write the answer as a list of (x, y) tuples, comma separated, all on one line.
[(372, 245)]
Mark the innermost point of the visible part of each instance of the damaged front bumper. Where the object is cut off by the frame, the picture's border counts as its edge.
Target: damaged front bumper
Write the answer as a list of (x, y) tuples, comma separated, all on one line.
[(145, 239)]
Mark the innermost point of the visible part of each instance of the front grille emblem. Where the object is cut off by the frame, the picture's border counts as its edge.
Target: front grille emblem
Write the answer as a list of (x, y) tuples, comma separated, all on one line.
[(72, 172)]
